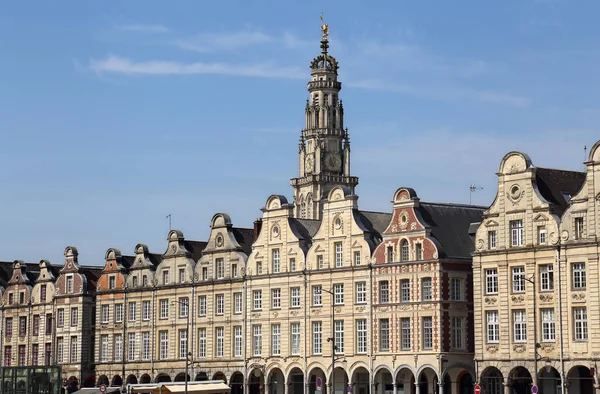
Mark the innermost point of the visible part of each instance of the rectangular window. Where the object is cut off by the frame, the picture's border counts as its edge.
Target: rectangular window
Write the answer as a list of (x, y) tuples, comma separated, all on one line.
[(21, 361), (295, 297), (317, 296), (405, 290), (292, 264), (339, 336), (384, 335), (132, 311), (145, 280), (390, 254), (164, 344), (237, 301), (8, 356), (317, 337), (165, 277), (234, 270), (419, 251), (405, 340), (145, 346), (257, 300), (131, 346), (275, 339), (257, 340), (493, 328), (428, 332), (295, 331), (135, 281), (546, 277), (517, 236), (237, 341), (320, 261), (541, 235), (118, 313), (118, 351), (384, 291), (181, 275), (219, 269), (259, 268), (36, 325), (183, 307), (491, 281), (548, 325), (518, 279), (492, 239), (578, 228), (202, 305), (519, 326), (338, 292), (361, 292), (145, 310), (35, 354), (426, 288), (456, 289), (339, 256), (357, 258), (8, 327), (22, 326), (47, 354), (579, 278), (275, 261), (112, 282), (69, 284), (220, 341), (204, 273), (457, 333), (74, 316), (49, 319), (60, 351), (361, 336), (580, 323), (164, 309), (220, 300), (60, 320), (43, 293), (276, 298), (104, 348), (202, 342)]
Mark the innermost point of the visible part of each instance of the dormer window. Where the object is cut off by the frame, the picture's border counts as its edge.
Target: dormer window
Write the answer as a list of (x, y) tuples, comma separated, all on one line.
[(69, 284), (390, 254), (11, 298), (404, 250), (134, 281), (419, 251), (578, 228), (165, 277), (517, 236), (144, 280), (541, 235), (112, 282), (21, 298), (43, 293), (181, 275)]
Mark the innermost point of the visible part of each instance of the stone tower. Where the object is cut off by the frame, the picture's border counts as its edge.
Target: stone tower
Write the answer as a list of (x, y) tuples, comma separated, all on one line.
[(324, 154)]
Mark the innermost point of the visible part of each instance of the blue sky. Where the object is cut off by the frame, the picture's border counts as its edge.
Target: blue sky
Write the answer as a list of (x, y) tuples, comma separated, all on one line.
[(115, 114)]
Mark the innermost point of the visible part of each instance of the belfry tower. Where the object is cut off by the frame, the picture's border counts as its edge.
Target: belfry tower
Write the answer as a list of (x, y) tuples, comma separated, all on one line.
[(324, 154)]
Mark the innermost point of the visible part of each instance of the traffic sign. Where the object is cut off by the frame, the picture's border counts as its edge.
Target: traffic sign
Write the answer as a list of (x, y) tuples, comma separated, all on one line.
[(534, 389), (102, 388), (319, 382), (477, 389)]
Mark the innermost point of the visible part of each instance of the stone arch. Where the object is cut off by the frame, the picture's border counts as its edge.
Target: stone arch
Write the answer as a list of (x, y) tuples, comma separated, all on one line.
[(295, 379), (291, 367), (404, 378), (276, 202), (220, 376), (72, 384), (145, 378), (236, 382), (404, 193), (514, 162), (309, 205), (316, 371), (548, 380), (383, 379), (162, 378), (131, 379), (180, 377), (103, 379), (276, 380), (427, 378), (492, 381), (116, 381), (89, 382), (220, 220), (520, 380), (256, 381), (580, 380), (356, 366), (405, 366), (339, 193), (201, 376)]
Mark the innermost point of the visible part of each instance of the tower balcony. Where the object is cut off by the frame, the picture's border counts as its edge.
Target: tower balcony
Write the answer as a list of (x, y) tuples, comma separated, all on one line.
[(316, 85), (325, 178), (323, 131)]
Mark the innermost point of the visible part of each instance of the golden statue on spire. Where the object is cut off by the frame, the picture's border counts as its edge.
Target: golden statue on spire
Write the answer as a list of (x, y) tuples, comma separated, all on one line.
[(324, 27)]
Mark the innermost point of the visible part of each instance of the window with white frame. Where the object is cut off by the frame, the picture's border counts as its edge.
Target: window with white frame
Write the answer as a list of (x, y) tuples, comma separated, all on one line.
[(60, 350), (259, 268), (292, 264), (202, 342), (317, 296), (338, 291), (339, 337), (132, 311), (384, 335), (276, 266), (339, 257), (164, 344), (361, 292), (491, 281), (74, 351), (257, 296), (389, 253), (104, 348), (404, 256), (405, 341), (419, 251), (118, 313), (105, 314), (118, 344), (456, 289), (165, 277), (493, 328), (112, 282), (384, 291), (220, 301), (519, 325), (517, 235), (579, 276), (60, 319), (361, 336), (131, 345), (457, 332), (427, 332), (295, 297), (219, 268), (405, 290), (357, 257), (492, 239), (295, 340), (145, 310), (146, 345), (548, 325), (578, 228), (237, 341), (164, 309), (237, 302), (204, 273), (181, 275), (234, 270), (275, 339), (317, 334), (202, 305), (220, 341), (426, 289), (276, 298), (257, 340), (546, 277), (320, 263), (541, 235), (69, 284), (580, 324), (518, 279)]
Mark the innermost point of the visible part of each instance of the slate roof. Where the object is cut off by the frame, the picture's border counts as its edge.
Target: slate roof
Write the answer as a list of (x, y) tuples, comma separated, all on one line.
[(195, 248), (375, 222), (92, 274), (304, 228), (553, 184), (245, 237), (450, 224)]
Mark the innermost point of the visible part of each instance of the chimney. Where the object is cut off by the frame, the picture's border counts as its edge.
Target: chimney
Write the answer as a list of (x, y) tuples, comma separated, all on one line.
[(257, 227)]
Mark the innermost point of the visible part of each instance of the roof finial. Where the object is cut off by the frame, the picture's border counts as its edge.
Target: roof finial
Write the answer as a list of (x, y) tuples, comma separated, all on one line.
[(324, 27)]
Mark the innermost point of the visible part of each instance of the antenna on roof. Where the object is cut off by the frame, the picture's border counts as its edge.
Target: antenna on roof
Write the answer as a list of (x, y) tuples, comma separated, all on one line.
[(169, 217), (473, 188), (585, 153)]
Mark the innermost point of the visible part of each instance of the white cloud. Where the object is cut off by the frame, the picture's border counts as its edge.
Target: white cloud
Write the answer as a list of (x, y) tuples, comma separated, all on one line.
[(144, 28), (121, 65)]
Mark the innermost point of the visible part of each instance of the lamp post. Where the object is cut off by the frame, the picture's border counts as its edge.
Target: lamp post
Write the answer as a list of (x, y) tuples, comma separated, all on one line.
[(187, 338), (332, 339)]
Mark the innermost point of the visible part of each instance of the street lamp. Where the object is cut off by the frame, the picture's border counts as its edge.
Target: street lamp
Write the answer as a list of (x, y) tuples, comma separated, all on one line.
[(187, 338), (536, 345), (332, 339)]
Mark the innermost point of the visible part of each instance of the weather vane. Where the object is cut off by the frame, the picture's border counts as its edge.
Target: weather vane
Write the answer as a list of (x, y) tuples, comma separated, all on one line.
[(324, 27)]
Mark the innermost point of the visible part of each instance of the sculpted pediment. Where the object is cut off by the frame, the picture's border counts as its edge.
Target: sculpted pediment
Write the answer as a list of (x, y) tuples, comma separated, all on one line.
[(491, 223)]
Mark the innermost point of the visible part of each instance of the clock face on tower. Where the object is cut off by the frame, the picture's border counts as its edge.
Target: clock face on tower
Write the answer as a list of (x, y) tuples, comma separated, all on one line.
[(309, 164), (333, 162)]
